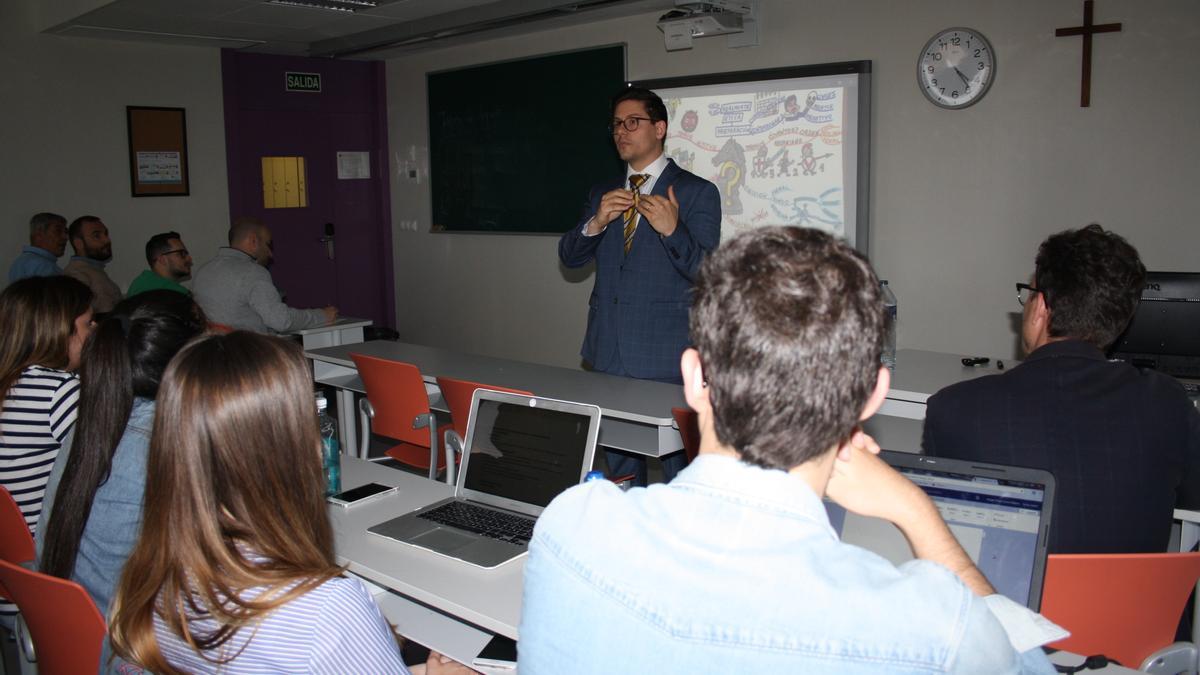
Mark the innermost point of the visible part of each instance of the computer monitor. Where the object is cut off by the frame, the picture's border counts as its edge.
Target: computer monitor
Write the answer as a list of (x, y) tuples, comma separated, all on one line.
[(1165, 331)]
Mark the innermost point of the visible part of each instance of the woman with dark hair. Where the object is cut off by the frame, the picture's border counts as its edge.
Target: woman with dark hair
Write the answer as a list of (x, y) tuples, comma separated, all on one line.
[(234, 569), (46, 321), (94, 497)]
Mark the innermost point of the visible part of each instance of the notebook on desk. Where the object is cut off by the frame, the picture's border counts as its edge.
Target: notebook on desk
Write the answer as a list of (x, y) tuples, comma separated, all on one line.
[(1000, 514), (521, 452)]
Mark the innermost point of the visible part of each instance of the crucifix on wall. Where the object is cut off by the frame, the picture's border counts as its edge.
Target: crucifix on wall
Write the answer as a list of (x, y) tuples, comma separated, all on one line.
[(1087, 30)]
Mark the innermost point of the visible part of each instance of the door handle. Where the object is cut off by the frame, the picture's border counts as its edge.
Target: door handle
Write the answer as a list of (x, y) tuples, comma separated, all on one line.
[(328, 240)]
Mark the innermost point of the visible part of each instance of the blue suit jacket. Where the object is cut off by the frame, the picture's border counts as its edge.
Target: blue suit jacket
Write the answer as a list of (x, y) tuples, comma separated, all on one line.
[(638, 312)]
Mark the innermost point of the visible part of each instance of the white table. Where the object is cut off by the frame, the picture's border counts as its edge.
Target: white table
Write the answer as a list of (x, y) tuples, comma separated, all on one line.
[(344, 330)]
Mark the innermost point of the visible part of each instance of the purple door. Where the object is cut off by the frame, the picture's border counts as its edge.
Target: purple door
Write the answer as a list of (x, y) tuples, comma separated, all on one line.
[(337, 249)]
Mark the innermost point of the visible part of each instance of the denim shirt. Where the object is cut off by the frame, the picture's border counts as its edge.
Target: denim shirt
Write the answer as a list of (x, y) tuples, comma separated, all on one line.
[(733, 568)]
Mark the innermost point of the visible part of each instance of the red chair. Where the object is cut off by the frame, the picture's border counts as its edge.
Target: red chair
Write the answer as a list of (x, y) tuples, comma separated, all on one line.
[(67, 629), (689, 430), (397, 405), (16, 543), (457, 395), (1124, 606)]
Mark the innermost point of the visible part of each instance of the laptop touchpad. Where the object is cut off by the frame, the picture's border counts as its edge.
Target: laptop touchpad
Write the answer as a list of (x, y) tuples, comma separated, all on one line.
[(443, 540)]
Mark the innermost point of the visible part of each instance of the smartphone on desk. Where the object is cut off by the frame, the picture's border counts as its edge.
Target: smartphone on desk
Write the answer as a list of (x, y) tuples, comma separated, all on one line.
[(360, 494), (500, 653)]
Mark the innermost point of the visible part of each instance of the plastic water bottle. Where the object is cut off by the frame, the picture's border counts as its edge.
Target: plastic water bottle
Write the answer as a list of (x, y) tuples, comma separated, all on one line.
[(330, 455), (888, 357)]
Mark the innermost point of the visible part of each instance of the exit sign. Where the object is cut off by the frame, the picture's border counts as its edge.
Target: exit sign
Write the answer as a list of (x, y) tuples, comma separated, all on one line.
[(303, 82)]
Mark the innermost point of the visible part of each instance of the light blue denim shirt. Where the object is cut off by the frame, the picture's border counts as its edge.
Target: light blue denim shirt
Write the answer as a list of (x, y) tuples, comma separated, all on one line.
[(735, 569), (33, 262)]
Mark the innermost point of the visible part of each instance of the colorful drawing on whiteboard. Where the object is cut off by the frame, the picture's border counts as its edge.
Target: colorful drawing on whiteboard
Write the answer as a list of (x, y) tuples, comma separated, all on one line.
[(775, 156)]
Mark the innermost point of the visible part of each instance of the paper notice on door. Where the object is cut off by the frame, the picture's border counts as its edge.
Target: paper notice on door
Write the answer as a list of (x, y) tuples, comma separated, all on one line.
[(159, 167), (353, 165)]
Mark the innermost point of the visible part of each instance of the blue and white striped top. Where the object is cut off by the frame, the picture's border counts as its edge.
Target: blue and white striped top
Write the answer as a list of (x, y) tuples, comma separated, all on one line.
[(334, 628)]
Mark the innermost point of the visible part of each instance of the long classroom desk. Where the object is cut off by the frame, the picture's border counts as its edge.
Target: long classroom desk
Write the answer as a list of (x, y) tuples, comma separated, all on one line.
[(635, 414), (444, 604)]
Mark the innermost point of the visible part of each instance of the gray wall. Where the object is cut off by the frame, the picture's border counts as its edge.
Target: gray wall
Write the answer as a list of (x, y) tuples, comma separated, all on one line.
[(960, 199), (64, 146)]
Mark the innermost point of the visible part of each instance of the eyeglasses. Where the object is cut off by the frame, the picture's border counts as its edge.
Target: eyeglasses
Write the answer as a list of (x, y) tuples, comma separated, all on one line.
[(1024, 292), (183, 252), (629, 124)]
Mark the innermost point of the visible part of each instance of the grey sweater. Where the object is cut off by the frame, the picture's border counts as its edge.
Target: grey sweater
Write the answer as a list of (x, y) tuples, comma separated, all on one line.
[(234, 290)]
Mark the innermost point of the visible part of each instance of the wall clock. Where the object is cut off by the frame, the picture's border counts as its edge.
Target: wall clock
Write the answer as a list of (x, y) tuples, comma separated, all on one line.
[(956, 68)]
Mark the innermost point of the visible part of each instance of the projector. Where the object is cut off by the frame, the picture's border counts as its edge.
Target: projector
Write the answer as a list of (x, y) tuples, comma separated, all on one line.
[(700, 19)]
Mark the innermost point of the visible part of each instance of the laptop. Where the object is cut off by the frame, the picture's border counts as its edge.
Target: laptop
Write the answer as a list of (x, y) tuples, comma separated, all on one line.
[(1000, 514), (522, 451)]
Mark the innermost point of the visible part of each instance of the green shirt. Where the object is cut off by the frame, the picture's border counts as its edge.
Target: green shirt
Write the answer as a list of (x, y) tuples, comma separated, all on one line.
[(149, 281)]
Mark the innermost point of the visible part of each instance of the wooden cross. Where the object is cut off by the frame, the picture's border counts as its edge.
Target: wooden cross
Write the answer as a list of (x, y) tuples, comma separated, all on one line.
[(1087, 30)]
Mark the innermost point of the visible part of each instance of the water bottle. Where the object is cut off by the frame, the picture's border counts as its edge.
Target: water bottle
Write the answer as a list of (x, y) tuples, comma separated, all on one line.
[(331, 458), (888, 357)]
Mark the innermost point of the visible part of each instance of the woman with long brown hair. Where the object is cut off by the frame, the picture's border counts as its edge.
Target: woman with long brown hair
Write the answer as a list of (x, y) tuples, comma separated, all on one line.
[(234, 570)]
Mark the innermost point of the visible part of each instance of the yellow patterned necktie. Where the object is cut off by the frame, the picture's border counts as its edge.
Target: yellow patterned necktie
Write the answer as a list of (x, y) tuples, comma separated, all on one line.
[(631, 214)]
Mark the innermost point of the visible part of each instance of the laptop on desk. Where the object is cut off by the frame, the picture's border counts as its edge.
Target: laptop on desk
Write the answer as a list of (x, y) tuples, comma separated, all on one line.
[(1000, 514), (522, 451)]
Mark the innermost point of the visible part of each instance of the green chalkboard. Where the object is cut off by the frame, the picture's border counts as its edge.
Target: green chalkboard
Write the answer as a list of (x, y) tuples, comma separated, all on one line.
[(514, 146)]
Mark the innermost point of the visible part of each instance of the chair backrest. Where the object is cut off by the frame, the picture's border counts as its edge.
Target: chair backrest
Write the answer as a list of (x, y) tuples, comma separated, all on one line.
[(689, 430), (397, 392), (16, 543), (457, 394), (67, 629), (1124, 606)]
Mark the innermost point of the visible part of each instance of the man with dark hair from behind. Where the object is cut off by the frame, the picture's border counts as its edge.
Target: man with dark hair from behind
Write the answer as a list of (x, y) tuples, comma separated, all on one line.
[(235, 289), (93, 251), (170, 263), (47, 243), (1122, 443), (645, 266), (733, 567)]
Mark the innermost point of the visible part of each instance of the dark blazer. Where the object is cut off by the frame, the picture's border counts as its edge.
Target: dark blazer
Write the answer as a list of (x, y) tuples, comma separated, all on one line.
[(638, 312), (1123, 444)]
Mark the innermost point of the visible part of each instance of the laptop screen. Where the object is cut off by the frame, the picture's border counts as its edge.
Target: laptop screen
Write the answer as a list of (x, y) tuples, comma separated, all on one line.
[(1000, 516), (526, 453)]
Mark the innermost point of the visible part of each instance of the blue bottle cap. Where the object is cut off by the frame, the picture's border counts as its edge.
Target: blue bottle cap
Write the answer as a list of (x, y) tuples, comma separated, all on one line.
[(593, 475)]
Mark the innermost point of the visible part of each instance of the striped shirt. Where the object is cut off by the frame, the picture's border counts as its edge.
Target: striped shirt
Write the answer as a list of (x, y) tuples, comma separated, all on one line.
[(37, 413), (334, 628)]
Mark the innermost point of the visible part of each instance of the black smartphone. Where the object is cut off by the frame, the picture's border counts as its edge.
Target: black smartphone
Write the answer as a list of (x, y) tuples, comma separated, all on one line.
[(500, 652), (360, 494)]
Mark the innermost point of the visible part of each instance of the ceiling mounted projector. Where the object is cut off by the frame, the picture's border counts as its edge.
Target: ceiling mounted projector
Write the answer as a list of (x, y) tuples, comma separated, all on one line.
[(701, 19)]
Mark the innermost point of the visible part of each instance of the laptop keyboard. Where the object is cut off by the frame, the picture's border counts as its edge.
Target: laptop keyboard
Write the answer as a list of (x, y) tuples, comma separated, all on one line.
[(490, 523)]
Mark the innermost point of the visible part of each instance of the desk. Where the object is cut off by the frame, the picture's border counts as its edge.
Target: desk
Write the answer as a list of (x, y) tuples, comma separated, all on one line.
[(443, 604), (635, 414), (920, 374), (343, 331)]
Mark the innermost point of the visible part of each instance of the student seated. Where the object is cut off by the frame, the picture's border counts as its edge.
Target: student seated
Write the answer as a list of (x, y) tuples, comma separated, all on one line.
[(1123, 443), (234, 569), (46, 321), (93, 508), (170, 263), (733, 567)]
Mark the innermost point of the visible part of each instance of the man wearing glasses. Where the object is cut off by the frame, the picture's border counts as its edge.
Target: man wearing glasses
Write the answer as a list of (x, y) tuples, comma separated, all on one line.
[(1123, 443), (170, 263), (647, 231)]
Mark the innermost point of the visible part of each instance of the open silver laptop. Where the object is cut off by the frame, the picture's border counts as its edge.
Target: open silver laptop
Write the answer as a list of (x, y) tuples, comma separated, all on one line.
[(1001, 515), (521, 451)]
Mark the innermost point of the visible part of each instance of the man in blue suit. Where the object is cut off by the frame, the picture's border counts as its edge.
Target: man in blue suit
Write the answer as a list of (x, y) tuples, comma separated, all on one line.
[(647, 232)]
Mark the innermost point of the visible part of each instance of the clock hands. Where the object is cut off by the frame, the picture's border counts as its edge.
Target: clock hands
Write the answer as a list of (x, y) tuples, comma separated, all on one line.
[(960, 74)]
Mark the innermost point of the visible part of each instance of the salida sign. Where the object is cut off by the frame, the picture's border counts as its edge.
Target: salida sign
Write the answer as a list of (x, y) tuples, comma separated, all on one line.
[(310, 82)]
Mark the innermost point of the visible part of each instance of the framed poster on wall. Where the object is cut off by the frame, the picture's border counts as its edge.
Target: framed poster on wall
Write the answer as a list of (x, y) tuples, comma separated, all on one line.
[(158, 162)]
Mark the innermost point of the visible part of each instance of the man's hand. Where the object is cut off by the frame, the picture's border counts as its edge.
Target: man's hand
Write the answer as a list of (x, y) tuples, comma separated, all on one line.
[(612, 205), (330, 313), (437, 664), (661, 212)]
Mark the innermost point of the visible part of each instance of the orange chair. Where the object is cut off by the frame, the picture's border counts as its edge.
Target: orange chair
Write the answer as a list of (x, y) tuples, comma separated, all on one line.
[(1124, 606), (689, 431), (398, 405), (67, 629), (16, 544), (457, 395)]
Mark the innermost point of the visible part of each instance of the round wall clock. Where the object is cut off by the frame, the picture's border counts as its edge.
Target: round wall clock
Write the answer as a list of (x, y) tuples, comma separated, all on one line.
[(956, 68)]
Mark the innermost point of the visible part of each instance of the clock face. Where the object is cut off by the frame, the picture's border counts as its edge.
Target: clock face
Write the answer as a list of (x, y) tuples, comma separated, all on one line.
[(956, 68)]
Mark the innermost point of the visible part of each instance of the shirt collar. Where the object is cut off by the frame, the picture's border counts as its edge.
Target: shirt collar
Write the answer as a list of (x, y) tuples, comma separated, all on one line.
[(1071, 348), (101, 264), (653, 169), (39, 251), (231, 252), (773, 489)]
